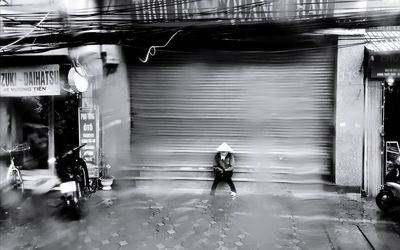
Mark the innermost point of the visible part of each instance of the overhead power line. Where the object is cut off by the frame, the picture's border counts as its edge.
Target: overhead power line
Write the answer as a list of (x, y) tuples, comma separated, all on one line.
[(117, 25), (27, 34)]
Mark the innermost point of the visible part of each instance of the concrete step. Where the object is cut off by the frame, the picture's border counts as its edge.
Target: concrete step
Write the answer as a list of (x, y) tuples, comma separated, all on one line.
[(36, 179), (253, 174), (187, 183), (196, 174), (284, 168)]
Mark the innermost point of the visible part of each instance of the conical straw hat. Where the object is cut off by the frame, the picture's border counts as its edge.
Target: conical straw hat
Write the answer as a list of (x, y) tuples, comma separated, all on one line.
[(224, 147)]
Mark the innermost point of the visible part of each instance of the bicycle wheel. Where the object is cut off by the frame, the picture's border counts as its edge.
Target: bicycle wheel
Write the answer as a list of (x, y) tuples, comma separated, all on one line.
[(16, 182)]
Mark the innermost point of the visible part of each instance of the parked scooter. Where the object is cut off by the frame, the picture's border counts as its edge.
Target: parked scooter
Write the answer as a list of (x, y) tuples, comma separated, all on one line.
[(73, 174), (389, 196)]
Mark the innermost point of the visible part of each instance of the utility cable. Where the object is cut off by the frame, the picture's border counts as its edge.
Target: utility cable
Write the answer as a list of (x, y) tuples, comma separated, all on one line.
[(153, 49), (27, 34)]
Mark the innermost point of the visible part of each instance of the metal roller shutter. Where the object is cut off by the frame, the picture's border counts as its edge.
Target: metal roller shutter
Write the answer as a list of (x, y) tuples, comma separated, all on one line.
[(274, 109)]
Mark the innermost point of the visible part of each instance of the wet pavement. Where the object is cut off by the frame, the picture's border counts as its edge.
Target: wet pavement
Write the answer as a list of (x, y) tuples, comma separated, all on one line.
[(143, 219)]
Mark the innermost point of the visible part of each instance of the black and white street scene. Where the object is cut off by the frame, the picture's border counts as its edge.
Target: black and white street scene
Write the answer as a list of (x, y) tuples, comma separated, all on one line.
[(200, 124)]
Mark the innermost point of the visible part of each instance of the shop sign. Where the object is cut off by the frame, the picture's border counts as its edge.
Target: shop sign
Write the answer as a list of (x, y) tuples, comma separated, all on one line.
[(383, 66), (41, 80), (88, 134), (234, 10)]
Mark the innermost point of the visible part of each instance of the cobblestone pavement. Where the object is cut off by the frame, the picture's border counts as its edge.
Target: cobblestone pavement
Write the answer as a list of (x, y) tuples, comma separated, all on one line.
[(134, 219)]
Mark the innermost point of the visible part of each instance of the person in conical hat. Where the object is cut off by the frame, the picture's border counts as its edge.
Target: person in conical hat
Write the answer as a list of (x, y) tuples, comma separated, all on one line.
[(224, 147), (223, 165)]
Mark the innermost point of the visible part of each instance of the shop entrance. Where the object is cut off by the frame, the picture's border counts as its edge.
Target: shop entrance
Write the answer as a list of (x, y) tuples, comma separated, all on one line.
[(65, 123), (33, 123), (391, 121), (273, 109)]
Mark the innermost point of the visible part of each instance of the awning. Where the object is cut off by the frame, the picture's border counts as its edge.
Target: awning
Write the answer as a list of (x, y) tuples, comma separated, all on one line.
[(383, 52), (381, 41)]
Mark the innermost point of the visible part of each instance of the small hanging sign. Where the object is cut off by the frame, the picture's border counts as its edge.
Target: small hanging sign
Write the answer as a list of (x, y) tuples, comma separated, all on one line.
[(89, 135)]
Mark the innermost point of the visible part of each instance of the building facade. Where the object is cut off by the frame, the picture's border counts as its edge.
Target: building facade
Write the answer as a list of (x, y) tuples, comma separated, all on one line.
[(296, 100)]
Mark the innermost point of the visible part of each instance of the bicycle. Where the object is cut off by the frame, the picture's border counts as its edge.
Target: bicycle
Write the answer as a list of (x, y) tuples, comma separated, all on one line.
[(13, 179)]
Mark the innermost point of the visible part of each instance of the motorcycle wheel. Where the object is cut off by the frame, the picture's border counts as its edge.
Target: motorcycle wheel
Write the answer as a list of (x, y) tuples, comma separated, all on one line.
[(83, 177), (384, 200), (75, 205)]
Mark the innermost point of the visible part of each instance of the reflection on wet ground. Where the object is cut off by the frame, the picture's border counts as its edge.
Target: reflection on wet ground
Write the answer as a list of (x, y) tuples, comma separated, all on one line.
[(137, 219)]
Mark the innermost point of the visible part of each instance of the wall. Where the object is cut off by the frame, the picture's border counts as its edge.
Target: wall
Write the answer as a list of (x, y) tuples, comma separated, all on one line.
[(4, 136), (5, 120), (373, 138), (112, 96), (109, 91), (349, 112)]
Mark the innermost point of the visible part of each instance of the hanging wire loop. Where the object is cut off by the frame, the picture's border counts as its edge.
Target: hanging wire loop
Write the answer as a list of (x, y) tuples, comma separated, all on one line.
[(153, 49)]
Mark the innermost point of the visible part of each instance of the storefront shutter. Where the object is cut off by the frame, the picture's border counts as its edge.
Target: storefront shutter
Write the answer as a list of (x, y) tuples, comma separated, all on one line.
[(276, 110)]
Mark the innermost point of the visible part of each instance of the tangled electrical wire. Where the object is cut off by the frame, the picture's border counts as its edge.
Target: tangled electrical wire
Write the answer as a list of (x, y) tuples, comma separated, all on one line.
[(24, 30)]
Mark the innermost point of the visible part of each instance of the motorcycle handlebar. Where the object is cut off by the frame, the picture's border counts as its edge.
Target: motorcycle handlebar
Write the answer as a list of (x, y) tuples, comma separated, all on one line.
[(79, 147), (71, 151)]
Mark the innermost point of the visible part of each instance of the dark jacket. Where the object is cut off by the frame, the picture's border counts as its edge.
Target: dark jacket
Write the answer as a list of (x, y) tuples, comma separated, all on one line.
[(224, 165)]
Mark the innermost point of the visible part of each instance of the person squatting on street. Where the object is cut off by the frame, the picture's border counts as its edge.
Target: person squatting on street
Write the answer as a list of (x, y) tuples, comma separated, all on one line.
[(223, 166)]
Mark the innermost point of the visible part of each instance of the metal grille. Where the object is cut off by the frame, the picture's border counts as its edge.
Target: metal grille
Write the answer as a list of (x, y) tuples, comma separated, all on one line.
[(272, 108)]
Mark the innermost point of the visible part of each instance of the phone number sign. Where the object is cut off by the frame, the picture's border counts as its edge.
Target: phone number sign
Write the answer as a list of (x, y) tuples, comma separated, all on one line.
[(88, 134)]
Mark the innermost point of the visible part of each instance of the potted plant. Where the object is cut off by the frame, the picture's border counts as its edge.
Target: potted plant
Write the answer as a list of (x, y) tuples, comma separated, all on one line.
[(106, 178)]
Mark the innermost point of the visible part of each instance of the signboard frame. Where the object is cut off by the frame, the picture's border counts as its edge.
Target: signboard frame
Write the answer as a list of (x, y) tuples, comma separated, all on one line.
[(39, 80), (385, 65), (89, 124)]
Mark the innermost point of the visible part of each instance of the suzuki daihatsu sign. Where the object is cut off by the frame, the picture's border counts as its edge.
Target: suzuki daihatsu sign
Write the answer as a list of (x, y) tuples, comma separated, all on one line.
[(41, 80)]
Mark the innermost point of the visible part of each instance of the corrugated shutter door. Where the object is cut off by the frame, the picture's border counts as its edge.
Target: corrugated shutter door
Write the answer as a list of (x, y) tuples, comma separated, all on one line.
[(270, 107)]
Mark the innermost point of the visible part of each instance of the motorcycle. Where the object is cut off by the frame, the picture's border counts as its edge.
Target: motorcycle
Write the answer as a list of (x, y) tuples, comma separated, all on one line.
[(389, 196), (73, 174)]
